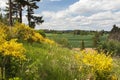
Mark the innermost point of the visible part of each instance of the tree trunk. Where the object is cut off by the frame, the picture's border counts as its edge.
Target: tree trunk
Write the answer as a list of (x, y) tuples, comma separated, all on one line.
[(2, 73), (28, 15), (10, 13), (20, 13)]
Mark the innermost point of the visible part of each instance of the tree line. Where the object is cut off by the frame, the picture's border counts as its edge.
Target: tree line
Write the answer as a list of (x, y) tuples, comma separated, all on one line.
[(15, 8)]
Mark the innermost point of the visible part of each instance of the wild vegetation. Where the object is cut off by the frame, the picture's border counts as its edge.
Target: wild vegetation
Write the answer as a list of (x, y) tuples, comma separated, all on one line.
[(27, 55)]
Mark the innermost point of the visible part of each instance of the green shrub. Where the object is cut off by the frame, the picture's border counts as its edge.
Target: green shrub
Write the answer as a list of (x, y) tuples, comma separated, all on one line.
[(41, 32), (63, 42), (110, 46)]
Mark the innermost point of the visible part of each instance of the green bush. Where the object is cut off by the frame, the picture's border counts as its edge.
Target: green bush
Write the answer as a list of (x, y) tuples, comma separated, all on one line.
[(110, 46), (41, 32)]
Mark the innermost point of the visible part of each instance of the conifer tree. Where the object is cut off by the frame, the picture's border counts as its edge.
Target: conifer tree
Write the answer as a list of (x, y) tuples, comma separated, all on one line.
[(32, 19)]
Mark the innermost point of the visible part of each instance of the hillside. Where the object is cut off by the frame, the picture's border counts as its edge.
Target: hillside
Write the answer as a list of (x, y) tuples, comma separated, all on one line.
[(27, 55)]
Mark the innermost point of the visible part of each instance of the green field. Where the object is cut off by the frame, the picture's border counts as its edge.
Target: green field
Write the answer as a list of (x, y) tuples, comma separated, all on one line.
[(74, 41)]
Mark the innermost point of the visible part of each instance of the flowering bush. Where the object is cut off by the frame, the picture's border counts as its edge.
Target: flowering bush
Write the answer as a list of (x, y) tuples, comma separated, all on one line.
[(12, 48), (11, 52), (9, 48), (3, 31), (37, 37), (97, 63), (24, 32), (49, 41)]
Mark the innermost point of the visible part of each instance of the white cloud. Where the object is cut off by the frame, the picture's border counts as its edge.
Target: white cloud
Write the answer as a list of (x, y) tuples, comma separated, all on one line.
[(84, 6), (3, 3), (84, 14)]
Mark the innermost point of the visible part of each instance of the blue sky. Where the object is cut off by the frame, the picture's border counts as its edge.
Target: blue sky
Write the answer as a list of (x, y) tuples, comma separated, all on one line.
[(55, 5), (77, 14)]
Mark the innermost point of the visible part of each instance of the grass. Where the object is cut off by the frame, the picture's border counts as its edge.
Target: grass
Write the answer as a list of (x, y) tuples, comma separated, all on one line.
[(48, 62), (117, 67), (74, 41)]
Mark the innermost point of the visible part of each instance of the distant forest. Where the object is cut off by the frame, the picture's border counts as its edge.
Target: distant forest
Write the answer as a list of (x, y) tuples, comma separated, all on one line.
[(76, 32)]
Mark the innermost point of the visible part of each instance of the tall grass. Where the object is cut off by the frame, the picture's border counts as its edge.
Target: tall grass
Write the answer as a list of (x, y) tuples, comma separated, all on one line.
[(52, 62), (46, 62)]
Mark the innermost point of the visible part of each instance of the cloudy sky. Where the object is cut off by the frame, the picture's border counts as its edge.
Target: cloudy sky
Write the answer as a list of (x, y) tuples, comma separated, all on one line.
[(78, 14)]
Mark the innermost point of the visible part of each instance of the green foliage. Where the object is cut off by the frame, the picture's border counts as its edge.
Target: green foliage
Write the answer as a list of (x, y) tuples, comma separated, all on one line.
[(33, 19), (47, 62), (117, 67), (63, 42), (3, 19), (15, 78), (110, 46), (41, 32)]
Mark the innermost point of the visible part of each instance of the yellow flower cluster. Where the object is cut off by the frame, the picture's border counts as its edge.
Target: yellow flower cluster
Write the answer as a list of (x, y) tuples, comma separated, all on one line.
[(12, 48), (22, 31), (26, 33), (49, 41), (96, 61), (3, 34), (37, 37)]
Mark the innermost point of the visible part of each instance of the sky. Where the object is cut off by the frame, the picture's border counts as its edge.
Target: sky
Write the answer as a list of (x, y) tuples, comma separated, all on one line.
[(77, 14)]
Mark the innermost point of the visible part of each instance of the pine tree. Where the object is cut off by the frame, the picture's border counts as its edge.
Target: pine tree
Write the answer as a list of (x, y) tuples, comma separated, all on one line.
[(14, 12), (20, 4), (32, 19)]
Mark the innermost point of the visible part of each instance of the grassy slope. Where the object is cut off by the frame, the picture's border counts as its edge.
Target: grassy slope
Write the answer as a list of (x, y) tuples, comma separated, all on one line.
[(51, 62), (117, 67), (75, 40), (54, 63)]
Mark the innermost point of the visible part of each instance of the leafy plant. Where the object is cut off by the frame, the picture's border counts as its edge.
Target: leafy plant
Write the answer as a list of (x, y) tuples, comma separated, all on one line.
[(110, 46)]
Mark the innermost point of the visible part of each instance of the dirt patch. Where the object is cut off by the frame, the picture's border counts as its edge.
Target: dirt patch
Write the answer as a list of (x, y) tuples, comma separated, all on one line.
[(87, 49)]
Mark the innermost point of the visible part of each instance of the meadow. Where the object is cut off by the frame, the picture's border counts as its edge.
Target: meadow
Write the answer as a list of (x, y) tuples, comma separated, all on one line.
[(74, 41)]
